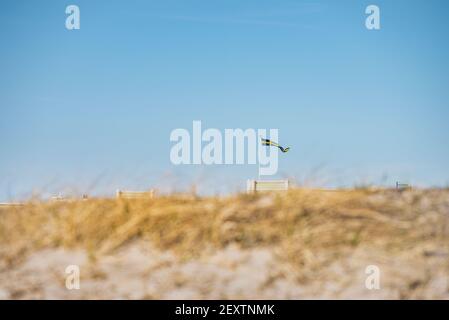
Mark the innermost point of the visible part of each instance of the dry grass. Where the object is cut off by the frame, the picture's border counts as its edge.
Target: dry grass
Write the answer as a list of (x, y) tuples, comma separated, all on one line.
[(300, 223)]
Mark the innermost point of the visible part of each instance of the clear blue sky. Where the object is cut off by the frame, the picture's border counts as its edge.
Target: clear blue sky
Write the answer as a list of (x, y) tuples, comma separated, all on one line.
[(92, 109)]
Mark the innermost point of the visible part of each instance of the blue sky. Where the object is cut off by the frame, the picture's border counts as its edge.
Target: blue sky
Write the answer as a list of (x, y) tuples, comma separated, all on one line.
[(92, 109)]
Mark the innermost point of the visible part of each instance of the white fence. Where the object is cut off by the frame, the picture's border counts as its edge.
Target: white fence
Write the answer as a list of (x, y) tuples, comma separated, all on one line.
[(10, 204), (266, 185)]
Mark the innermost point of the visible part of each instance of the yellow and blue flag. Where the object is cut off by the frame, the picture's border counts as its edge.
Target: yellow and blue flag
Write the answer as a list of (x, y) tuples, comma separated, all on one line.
[(267, 142)]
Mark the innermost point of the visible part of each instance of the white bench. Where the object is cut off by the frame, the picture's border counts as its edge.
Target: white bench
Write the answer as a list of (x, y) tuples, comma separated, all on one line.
[(120, 194), (403, 186), (266, 185)]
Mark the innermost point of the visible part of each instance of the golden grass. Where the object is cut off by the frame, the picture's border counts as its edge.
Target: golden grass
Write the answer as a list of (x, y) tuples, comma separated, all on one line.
[(300, 223)]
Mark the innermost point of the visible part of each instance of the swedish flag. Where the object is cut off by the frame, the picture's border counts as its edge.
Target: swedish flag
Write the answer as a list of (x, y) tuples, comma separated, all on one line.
[(266, 142)]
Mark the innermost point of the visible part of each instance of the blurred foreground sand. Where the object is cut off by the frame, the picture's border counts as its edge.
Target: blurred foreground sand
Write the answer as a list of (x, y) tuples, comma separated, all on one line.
[(297, 245)]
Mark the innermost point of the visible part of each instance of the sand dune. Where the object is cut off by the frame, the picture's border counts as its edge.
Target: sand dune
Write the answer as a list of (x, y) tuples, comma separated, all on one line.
[(295, 245)]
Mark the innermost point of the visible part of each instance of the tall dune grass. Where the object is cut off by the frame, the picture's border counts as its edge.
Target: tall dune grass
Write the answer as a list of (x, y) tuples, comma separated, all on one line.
[(307, 226)]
